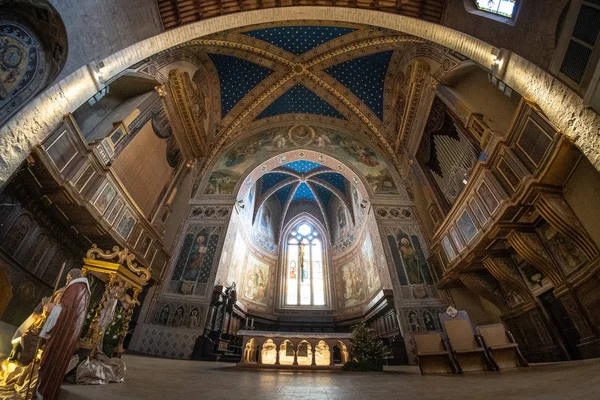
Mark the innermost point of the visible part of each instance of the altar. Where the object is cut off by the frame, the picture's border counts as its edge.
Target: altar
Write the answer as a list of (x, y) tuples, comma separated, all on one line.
[(307, 350)]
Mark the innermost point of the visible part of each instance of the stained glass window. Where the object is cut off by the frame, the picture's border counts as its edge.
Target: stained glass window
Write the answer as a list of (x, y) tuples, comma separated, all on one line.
[(506, 8), (305, 284)]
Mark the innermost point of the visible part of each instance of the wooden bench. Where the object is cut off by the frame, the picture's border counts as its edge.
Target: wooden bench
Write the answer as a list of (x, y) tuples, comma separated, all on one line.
[(433, 354), (467, 347), (501, 346)]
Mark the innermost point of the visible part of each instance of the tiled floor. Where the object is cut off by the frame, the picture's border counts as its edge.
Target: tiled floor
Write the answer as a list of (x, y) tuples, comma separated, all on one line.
[(155, 378)]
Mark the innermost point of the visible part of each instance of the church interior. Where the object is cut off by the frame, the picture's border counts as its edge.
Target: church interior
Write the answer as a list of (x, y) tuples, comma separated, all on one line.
[(214, 196)]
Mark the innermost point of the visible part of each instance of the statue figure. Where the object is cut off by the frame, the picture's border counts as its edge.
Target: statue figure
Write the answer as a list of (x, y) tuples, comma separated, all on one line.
[(164, 316), (55, 327), (116, 293)]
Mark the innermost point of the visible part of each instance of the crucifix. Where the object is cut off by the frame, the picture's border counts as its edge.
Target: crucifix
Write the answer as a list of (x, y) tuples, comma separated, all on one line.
[(302, 247)]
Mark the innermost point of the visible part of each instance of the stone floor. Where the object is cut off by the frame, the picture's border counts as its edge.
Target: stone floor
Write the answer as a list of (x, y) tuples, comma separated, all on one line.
[(155, 378)]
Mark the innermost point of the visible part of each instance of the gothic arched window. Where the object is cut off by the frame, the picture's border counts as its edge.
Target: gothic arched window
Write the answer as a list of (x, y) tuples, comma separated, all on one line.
[(505, 8), (305, 276)]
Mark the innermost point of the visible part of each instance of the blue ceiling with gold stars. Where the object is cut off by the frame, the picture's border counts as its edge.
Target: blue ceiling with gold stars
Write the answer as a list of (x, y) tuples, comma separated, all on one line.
[(300, 100), (236, 78), (304, 193), (365, 77), (302, 165), (303, 190), (298, 39), (272, 179)]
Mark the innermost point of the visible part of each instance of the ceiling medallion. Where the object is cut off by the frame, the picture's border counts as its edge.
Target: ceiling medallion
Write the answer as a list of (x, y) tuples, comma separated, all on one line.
[(301, 135), (301, 154)]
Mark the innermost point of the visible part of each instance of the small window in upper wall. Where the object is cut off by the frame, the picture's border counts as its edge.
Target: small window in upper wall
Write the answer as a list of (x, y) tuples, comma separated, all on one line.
[(505, 8)]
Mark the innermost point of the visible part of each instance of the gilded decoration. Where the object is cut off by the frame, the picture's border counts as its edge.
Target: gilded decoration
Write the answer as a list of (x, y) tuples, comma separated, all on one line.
[(123, 280), (308, 68)]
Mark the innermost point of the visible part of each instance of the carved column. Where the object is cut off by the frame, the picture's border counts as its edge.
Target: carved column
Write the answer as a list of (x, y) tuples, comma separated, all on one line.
[(314, 355), (555, 210), (331, 363), (529, 246), (296, 354), (504, 270), (478, 284), (277, 350)]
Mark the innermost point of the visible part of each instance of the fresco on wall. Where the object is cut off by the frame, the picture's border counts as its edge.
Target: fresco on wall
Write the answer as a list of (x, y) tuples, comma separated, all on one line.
[(265, 221), (230, 167), (238, 259), (370, 265), (409, 259), (257, 279), (352, 284), (195, 260)]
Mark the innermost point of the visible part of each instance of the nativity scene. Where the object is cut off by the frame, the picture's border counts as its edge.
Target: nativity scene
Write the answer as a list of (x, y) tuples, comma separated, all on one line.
[(289, 187)]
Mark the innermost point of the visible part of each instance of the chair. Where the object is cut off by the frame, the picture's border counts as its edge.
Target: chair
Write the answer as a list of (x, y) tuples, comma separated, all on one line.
[(433, 354), (501, 346), (467, 347)]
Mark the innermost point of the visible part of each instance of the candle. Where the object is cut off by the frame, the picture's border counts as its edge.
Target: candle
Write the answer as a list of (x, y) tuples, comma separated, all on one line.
[(246, 321), (252, 322)]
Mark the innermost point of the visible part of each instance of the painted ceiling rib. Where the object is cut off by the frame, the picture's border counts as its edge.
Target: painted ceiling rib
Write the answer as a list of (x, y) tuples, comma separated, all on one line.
[(320, 204)]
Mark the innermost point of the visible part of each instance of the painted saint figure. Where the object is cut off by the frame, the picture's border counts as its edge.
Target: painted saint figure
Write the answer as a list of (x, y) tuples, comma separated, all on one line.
[(193, 323), (178, 318), (195, 262), (411, 262), (164, 316)]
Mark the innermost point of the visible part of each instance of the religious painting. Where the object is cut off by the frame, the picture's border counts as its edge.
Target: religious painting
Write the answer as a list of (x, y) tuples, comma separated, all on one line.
[(163, 318), (194, 319), (370, 265), (221, 182), (257, 279), (365, 158), (568, 254), (126, 224), (448, 249), (196, 257), (413, 322), (413, 259), (467, 226), (106, 196), (238, 259), (355, 198), (352, 284), (178, 318), (428, 321), (457, 239), (488, 197), (265, 220), (342, 221)]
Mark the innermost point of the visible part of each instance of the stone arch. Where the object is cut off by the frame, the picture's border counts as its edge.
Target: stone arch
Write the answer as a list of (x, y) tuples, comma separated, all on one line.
[(553, 97), (33, 44), (287, 351), (323, 353), (250, 352), (268, 352)]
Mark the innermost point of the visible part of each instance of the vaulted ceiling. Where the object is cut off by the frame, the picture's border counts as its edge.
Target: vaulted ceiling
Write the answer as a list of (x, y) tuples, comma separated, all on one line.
[(312, 71), (303, 181)]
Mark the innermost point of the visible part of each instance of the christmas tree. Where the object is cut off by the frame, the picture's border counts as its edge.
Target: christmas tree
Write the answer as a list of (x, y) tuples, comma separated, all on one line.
[(366, 349)]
